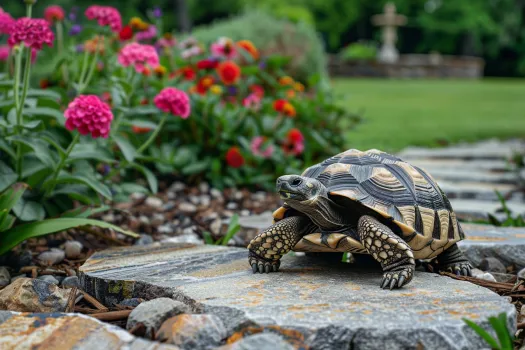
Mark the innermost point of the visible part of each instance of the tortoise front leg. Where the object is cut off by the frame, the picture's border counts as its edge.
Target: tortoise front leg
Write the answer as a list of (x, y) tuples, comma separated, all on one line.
[(394, 254), (267, 248)]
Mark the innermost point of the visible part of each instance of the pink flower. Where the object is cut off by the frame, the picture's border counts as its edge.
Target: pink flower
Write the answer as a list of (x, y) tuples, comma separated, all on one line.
[(148, 34), (54, 13), (139, 56), (174, 101), (224, 47), (106, 16), (33, 32), (6, 22), (252, 101), (89, 115), (166, 42), (257, 146), (4, 52)]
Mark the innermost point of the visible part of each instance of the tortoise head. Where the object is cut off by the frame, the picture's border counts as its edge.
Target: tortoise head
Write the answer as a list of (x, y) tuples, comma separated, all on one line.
[(295, 188)]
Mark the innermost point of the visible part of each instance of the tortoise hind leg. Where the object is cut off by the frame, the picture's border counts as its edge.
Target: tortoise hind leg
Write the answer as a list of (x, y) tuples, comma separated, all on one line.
[(453, 260), (267, 248), (394, 254)]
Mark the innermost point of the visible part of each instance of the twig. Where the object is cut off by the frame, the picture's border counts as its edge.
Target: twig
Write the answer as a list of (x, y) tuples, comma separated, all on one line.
[(27, 269), (71, 300), (97, 304), (102, 235), (112, 315), (87, 310), (502, 286), (34, 273)]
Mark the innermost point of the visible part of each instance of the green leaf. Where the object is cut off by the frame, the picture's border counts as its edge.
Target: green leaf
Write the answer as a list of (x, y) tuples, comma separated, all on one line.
[(502, 332), (89, 151), (142, 110), (127, 148), (233, 228), (7, 176), (88, 181), (6, 84), (45, 112), (140, 123), (482, 333), (6, 220), (32, 166), (40, 148), (150, 177), (29, 210), (80, 193), (11, 196), (52, 95), (31, 124), (129, 188), (18, 234), (208, 239), (196, 167), (85, 212)]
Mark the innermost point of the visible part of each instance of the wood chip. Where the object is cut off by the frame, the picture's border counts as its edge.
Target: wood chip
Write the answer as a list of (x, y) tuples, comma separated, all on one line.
[(71, 300), (112, 315), (27, 269), (97, 304), (87, 310), (34, 273)]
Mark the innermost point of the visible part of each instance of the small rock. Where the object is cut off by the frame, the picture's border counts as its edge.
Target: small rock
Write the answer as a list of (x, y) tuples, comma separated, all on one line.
[(189, 230), (521, 274), (108, 218), (191, 238), (157, 219), (177, 187), (195, 200), (238, 195), (70, 282), (144, 239), (483, 275), (193, 331), (261, 341), (205, 201), (165, 229), (73, 249), (259, 196), (25, 259), (5, 277), (154, 312), (492, 265), (144, 219), (17, 277), (204, 187), (33, 295), (48, 278), (231, 206), (133, 302), (136, 196), (522, 311), (245, 212), (502, 277), (215, 226), (187, 208), (52, 256), (154, 202), (168, 206), (215, 193)]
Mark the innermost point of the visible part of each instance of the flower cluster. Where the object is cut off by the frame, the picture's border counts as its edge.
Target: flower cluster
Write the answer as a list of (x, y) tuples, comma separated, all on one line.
[(6, 22), (174, 101), (32, 32), (139, 56), (54, 13), (106, 16), (89, 115)]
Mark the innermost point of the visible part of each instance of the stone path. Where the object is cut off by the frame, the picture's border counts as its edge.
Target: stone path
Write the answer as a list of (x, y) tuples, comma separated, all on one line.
[(309, 302), (470, 173)]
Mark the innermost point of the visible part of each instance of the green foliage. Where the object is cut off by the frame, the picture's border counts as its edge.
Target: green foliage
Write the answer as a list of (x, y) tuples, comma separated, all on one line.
[(499, 325), (510, 220), (271, 35), (233, 228), (359, 51)]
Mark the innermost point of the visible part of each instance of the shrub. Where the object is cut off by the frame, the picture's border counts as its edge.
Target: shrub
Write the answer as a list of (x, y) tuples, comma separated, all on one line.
[(359, 51), (273, 36)]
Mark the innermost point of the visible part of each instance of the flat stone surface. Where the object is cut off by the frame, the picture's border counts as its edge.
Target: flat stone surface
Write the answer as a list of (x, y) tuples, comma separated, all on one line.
[(328, 306), (476, 209), (506, 244), (66, 331)]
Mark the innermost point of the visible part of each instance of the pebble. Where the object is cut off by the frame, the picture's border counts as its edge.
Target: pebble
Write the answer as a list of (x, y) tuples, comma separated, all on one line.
[(245, 212), (215, 226), (521, 274), (157, 219), (171, 195), (259, 196), (492, 265), (231, 206), (238, 195), (154, 202), (108, 218), (261, 341), (144, 219), (483, 275), (70, 282), (52, 256), (154, 312), (188, 230), (144, 239), (133, 302), (215, 193), (5, 277), (165, 229), (33, 295), (189, 238), (48, 278), (205, 200), (137, 196), (73, 249), (194, 199), (193, 331), (177, 187), (187, 208), (17, 277), (25, 259), (168, 206)]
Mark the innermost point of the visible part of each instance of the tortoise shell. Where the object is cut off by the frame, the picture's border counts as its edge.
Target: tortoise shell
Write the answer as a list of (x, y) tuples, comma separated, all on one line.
[(403, 196)]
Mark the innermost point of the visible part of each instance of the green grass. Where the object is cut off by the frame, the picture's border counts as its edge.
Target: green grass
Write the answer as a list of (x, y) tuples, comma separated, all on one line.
[(400, 113)]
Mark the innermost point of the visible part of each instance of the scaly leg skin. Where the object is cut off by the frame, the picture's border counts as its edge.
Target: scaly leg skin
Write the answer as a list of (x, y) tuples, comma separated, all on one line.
[(267, 248), (453, 260), (394, 254)]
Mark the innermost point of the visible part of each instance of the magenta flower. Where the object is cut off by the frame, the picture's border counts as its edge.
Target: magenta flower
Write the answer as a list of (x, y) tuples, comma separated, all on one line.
[(139, 56), (174, 101), (33, 32), (6, 22), (224, 48), (258, 148), (252, 101), (4, 52), (148, 34), (89, 115), (106, 16)]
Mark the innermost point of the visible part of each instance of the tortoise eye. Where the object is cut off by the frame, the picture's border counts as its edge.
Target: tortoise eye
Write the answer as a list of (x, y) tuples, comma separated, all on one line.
[(296, 182)]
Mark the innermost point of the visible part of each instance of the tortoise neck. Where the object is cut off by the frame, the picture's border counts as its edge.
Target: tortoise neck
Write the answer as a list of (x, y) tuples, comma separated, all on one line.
[(324, 212)]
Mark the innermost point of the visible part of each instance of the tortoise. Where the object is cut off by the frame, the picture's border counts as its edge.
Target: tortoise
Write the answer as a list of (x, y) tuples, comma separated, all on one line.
[(367, 202)]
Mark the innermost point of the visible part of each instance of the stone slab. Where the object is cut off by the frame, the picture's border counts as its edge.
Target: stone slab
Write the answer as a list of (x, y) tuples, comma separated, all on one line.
[(326, 305), (476, 209), (506, 244), (58, 331)]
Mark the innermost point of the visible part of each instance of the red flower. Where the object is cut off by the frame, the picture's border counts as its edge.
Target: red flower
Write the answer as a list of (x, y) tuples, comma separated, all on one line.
[(33, 32), (207, 64), (295, 135), (229, 72), (44, 84), (204, 84), (258, 90), (234, 157), (284, 107), (105, 16), (140, 129), (126, 33), (294, 143), (249, 47), (187, 72), (278, 105), (54, 13), (144, 101)]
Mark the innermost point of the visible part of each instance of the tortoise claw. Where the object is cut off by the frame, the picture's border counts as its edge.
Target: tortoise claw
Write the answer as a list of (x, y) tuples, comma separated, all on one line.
[(254, 268), (397, 278), (261, 265)]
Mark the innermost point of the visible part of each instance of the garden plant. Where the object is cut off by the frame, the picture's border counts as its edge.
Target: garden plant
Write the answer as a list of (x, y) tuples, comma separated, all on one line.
[(94, 108)]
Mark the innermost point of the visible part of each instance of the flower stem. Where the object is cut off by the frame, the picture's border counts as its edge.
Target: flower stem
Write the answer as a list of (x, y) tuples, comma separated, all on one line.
[(63, 159), (153, 135), (116, 124), (60, 39), (29, 10), (93, 65), (20, 104)]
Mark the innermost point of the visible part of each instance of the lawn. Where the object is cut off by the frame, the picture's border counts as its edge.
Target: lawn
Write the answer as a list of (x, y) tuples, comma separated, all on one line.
[(399, 113)]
